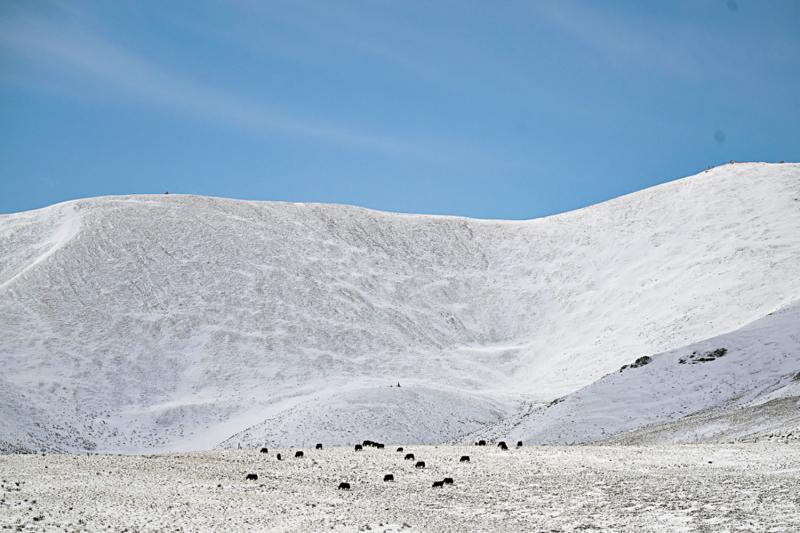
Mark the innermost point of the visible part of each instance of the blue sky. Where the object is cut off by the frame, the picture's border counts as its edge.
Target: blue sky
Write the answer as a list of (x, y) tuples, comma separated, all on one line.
[(489, 109)]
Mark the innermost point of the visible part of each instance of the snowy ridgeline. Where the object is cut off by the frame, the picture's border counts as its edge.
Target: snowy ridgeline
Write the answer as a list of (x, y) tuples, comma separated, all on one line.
[(182, 322)]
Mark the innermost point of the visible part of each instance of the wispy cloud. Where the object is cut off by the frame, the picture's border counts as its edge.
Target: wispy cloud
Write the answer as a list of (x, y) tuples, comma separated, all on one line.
[(622, 40), (366, 31), (80, 53)]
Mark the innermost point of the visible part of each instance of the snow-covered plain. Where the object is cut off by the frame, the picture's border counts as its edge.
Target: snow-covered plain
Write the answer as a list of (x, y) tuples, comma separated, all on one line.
[(182, 323), (751, 487)]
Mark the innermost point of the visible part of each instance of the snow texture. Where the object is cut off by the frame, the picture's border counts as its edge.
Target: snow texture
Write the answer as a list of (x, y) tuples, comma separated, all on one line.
[(751, 487), (177, 322), (751, 386)]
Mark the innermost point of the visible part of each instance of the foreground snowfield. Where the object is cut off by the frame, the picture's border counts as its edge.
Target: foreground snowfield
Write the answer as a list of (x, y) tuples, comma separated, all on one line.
[(164, 323), (614, 488)]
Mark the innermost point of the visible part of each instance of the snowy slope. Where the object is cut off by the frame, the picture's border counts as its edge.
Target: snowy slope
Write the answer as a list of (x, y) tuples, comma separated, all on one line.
[(409, 414), (175, 322), (684, 395)]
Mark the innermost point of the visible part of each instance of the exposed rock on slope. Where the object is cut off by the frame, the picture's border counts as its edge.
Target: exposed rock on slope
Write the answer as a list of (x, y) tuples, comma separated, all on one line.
[(749, 391)]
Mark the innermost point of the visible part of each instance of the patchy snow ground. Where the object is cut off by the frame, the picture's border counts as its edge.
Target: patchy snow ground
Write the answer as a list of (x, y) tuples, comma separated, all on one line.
[(753, 487)]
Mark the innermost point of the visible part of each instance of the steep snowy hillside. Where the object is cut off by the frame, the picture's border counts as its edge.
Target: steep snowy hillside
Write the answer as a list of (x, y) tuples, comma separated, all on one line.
[(175, 322)]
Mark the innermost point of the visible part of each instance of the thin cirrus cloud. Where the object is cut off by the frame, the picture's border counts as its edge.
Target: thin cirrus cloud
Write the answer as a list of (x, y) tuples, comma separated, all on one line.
[(79, 53), (624, 40)]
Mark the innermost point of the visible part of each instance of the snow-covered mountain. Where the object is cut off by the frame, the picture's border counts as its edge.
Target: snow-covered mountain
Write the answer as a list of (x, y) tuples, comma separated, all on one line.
[(180, 322)]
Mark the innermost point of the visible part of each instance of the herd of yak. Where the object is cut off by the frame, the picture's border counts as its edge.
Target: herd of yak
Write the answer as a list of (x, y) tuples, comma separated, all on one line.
[(390, 477)]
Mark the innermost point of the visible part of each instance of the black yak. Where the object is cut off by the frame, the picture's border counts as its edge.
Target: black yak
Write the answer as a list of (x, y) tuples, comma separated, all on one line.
[(318, 446), (447, 481), (388, 477), (264, 450), (464, 459), (359, 447), (279, 457), (519, 444), (400, 449), (420, 464), (344, 486), (481, 443), (438, 484), (298, 454), (409, 457), (379, 446), (502, 445), (252, 477)]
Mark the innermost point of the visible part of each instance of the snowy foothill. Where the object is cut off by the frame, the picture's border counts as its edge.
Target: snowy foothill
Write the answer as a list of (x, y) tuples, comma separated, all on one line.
[(740, 385), (744, 487), (165, 323)]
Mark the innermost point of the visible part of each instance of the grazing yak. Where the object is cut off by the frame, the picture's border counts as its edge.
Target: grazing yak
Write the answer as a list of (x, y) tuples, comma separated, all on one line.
[(388, 477), (447, 481), (420, 464), (367, 443), (298, 454), (409, 457), (438, 484), (264, 450), (379, 446), (400, 449), (359, 447), (464, 459), (279, 457), (519, 444), (318, 446), (502, 445), (344, 486), (252, 477), (481, 443)]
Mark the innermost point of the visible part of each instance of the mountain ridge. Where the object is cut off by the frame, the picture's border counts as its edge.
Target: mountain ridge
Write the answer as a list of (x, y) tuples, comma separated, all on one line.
[(162, 320)]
